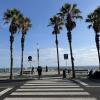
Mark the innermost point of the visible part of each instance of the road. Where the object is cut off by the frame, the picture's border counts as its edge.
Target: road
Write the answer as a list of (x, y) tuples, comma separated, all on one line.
[(52, 88)]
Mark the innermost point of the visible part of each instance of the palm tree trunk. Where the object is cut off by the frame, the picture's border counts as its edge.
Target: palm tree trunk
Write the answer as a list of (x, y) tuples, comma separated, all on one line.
[(71, 53), (22, 46), (99, 58), (72, 60), (11, 56), (21, 72), (98, 47), (57, 54)]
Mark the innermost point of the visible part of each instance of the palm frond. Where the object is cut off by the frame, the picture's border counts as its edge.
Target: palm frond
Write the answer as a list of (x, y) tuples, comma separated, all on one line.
[(94, 20), (89, 26), (11, 16), (77, 17), (25, 24), (56, 22)]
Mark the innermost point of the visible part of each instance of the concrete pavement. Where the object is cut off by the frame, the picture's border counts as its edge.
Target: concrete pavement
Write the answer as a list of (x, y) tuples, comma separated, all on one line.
[(50, 89)]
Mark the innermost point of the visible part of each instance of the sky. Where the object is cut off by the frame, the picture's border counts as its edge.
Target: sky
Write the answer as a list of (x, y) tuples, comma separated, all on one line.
[(40, 11)]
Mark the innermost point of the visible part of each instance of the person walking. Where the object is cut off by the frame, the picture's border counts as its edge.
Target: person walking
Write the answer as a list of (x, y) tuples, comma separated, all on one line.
[(32, 71), (39, 70), (46, 68)]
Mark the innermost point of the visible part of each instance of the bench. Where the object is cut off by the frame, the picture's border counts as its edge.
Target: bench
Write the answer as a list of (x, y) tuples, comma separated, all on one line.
[(26, 72)]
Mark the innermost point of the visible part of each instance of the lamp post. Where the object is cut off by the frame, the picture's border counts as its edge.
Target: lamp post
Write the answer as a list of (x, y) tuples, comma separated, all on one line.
[(38, 53)]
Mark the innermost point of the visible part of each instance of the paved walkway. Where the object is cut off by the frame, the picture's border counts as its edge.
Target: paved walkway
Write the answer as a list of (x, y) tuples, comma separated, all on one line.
[(50, 89)]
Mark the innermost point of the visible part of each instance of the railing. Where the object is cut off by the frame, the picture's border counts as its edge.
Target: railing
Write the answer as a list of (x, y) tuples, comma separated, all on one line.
[(79, 73)]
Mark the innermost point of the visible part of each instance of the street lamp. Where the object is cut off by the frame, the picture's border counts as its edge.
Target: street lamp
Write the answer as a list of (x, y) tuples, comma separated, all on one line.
[(38, 53)]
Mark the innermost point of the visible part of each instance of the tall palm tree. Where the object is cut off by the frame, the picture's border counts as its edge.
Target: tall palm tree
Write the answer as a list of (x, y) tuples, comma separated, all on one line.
[(56, 22), (11, 16), (94, 20), (25, 24), (69, 13)]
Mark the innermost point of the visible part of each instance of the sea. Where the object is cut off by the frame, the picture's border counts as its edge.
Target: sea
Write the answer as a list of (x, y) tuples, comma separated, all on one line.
[(51, 68)]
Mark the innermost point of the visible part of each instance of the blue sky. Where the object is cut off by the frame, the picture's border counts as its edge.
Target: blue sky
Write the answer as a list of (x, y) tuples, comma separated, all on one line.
[(39, 11)]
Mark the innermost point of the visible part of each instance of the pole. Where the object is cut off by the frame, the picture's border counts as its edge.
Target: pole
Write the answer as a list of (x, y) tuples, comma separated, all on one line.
[(38, 54), (66, 63), (30, 67)]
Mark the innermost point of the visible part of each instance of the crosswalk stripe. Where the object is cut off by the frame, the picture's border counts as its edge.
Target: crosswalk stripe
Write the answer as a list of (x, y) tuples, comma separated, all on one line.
[(56, 89), (48, 86), (50, 93), (51, 82), (72, 98), (47, 89)]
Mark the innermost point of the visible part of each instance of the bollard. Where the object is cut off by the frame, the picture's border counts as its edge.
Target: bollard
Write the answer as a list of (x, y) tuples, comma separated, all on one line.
[(64, 73)]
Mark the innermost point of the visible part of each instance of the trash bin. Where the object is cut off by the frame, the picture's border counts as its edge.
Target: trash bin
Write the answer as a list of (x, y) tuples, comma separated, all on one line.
[(64, 73)]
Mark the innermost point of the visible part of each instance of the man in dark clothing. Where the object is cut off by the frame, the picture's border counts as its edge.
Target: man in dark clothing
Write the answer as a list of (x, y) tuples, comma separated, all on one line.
[(90, 75), (32, 70), (39, 70), (46, 68)]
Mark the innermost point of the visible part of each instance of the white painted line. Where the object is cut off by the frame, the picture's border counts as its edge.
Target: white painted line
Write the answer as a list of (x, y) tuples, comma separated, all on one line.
[(48, 82), (93, 86), (47, 86), (86, 85), (76, 98), (56, 89), (82, 83), (42, 81), (53, 80), (50, 93), (4, 91)]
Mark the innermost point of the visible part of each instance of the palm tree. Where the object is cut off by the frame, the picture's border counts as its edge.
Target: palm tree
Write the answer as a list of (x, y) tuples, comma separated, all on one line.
[(25, 24), (11, 17), (94, 20), (56, 22), (69, 13)]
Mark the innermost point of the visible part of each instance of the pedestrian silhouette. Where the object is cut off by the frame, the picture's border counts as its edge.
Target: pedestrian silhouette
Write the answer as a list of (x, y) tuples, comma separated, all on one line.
[(39, 70), (32, 71), (46, 68), (90, 75)]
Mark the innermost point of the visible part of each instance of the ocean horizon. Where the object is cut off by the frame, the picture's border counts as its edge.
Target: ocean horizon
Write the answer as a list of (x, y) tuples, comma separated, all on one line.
[(17, 69)]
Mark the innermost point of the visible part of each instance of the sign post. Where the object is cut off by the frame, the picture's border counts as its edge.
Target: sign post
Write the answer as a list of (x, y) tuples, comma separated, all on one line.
[(30, 59), (65, 58)]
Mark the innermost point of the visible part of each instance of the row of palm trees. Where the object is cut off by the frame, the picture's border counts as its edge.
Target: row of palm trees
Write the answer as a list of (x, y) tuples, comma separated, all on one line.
[(67, 16), (17, 23)]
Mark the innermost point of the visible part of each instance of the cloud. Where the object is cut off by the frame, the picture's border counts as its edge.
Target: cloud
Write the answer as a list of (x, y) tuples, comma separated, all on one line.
[(82, 56), (86, 56), (48, 56)]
